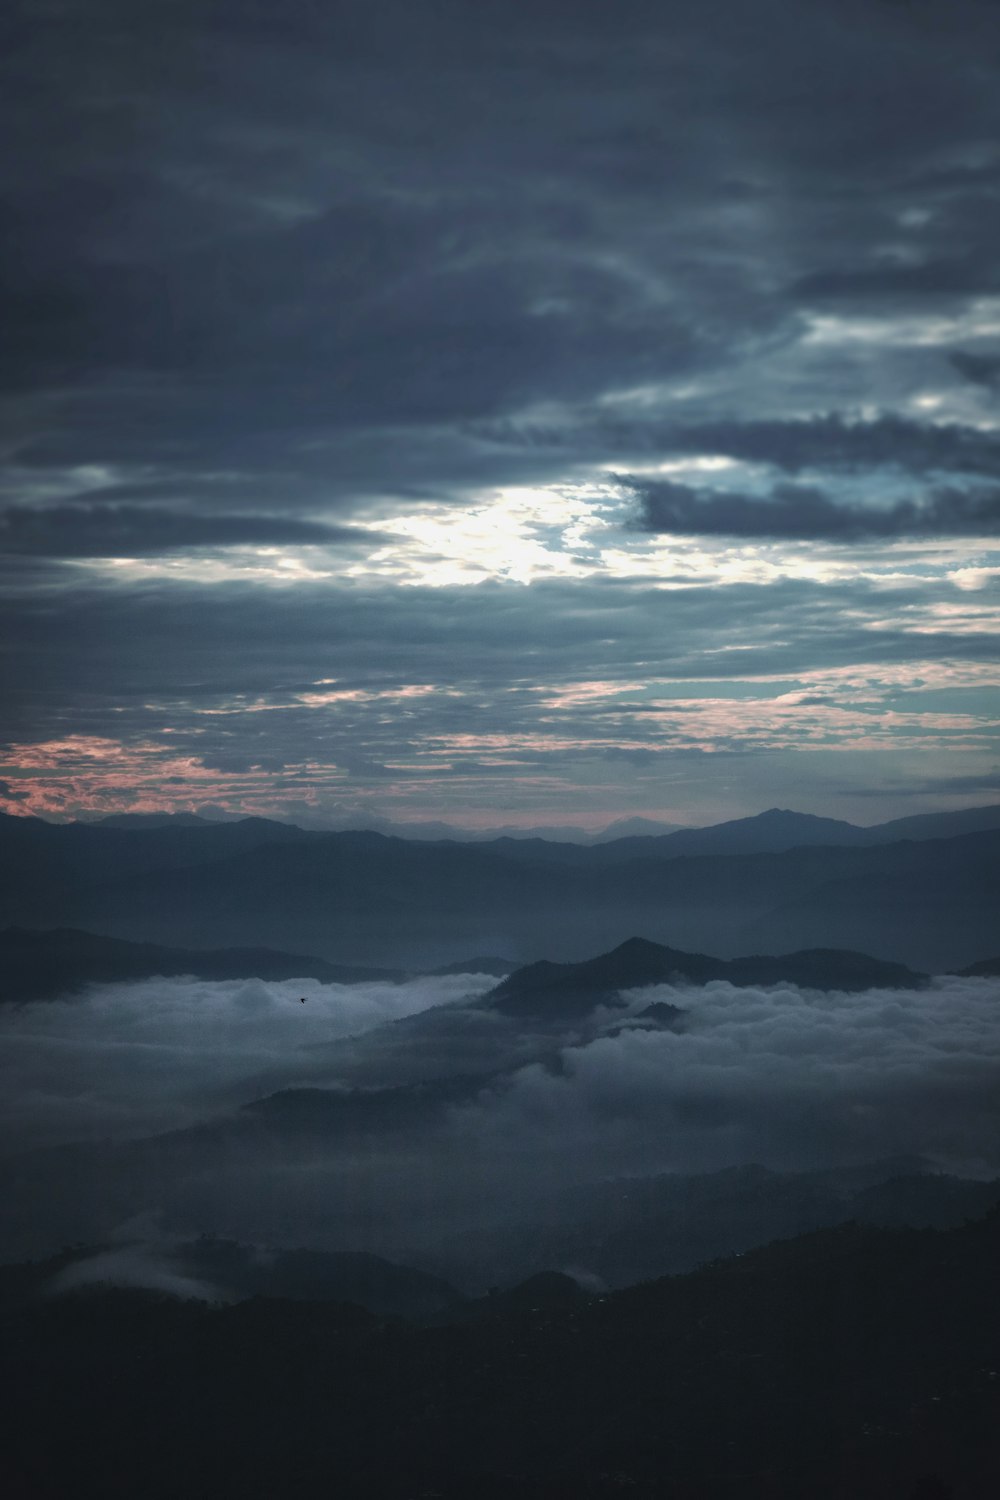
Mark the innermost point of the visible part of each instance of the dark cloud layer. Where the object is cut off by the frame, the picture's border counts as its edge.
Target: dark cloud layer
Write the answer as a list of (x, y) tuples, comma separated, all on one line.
[(842, 443), (134, 531), (324, 281), (801, 513), (138, 661), (229, 231), (981, 369)]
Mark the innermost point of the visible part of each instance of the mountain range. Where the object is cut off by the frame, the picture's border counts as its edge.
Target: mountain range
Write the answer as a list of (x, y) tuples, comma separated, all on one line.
[(915, 891), (772, 830), (546, 986), (38, 964)]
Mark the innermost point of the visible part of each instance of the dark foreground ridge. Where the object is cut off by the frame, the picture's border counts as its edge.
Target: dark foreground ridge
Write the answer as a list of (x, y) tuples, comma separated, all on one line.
[(853, 1362), (638, 962)]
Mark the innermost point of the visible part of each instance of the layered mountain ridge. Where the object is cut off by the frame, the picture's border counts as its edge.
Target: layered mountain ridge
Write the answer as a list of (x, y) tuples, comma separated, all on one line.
[(365, 899)]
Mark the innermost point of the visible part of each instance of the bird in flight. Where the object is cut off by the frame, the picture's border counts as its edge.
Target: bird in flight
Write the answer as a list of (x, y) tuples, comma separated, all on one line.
[(302, 999)]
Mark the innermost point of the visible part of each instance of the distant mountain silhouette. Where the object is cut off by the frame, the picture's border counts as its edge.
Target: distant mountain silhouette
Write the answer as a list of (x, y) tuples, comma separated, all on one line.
[(378, 1285), (38, 965), (768, 832), (638, 962), (136, 821), (623, 828), (778, 830), (919, 886), (940, 825), (497, 966), (367, 899), (986, 968), (581, 986), (659, 1013)]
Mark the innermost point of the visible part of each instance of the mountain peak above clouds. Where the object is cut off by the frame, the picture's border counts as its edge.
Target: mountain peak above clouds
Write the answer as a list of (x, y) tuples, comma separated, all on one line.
[(575, 988)]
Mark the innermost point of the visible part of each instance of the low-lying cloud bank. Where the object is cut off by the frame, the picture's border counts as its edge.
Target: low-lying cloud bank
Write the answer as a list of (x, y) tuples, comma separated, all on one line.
[(534, 1113), (130, 1059), (785, 1076)]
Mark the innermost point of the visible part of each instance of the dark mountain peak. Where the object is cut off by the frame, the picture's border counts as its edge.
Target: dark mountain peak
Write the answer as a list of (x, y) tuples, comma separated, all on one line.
[(578, 987), (40, 964), (824, 969), (137, 821), (773, 831), (545, 1287), (788, 817), (660, 1013), (986, 968), (639, 950)]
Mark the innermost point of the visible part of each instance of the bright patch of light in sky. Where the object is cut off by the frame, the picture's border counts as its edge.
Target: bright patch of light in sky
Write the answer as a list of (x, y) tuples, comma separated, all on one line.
[(516, 534)]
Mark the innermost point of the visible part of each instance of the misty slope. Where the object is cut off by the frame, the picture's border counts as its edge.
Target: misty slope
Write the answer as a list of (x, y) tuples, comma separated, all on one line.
[(36, 965), (226, 1271), (903, 886), (770, 832), (365, 899), (849, 1363), (637, 1228)]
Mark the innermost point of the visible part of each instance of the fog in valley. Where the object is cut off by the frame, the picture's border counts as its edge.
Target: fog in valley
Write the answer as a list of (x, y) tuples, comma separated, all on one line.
[(425, 1122)]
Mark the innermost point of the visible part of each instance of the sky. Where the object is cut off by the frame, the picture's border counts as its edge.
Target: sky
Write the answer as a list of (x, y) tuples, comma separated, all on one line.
[(503, 415)]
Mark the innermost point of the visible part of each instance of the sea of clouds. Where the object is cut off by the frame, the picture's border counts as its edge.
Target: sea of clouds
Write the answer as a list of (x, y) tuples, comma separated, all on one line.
[(157, 1054), (781, 1075), (102, 1099)]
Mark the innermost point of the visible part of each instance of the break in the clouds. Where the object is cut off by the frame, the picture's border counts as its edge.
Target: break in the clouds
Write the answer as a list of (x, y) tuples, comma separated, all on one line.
[(318, 323)]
